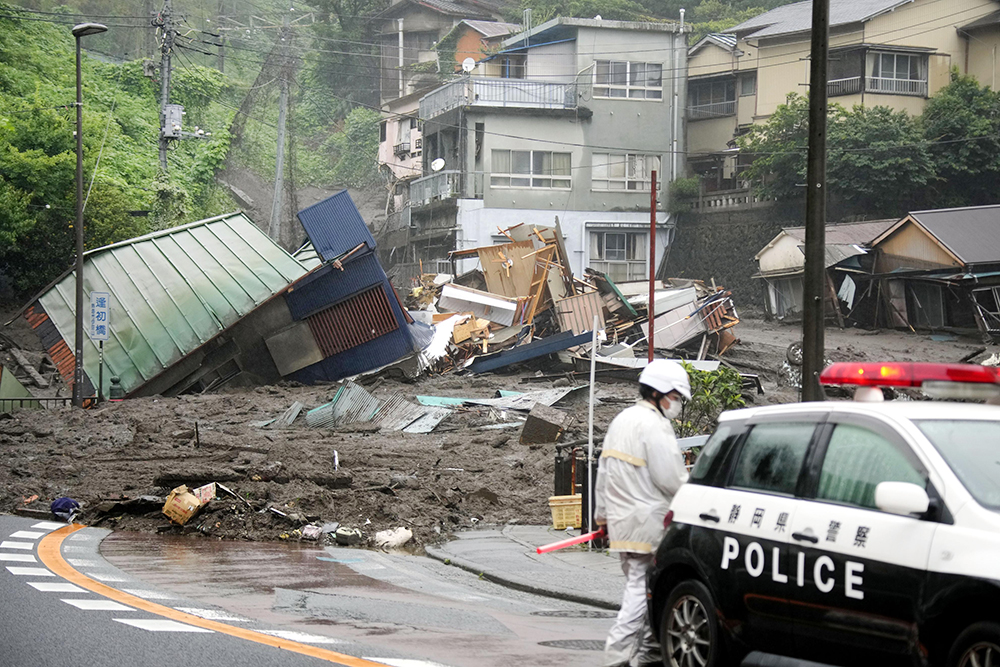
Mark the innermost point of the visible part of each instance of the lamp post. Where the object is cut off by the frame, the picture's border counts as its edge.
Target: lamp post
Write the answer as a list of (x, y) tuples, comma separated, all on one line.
[(81, 30)]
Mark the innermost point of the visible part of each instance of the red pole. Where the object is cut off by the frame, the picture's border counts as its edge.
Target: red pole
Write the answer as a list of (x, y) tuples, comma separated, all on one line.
[(652, 259)]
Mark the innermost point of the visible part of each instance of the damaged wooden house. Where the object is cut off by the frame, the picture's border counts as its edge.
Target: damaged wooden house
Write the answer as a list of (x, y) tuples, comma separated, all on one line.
[(217, 302)]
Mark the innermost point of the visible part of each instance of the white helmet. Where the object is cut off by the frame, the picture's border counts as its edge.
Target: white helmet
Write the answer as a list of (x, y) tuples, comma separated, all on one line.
[(666, 376)]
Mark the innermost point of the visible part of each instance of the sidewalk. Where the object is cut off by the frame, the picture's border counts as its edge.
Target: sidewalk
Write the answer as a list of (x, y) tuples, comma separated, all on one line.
[(507, 556)]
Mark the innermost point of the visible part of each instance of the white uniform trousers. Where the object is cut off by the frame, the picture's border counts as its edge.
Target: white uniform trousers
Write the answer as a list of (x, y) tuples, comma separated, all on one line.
[(630, 641)]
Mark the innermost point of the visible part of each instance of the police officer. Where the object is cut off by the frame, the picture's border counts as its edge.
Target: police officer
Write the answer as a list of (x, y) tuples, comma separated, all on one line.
[(641, 470)]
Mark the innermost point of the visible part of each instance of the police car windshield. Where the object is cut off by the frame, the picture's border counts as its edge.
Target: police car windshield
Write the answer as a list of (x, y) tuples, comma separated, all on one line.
[(972, 451)]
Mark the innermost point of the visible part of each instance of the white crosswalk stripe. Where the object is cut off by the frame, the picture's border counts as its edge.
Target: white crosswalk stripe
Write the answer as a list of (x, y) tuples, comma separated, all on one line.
[(80, 536), (81, 562), (160, 625), (212, 614), (18, 558), (7, 544), (26, 535), (29, 571), (303, 637), (47, 587), (75, 550), (48, 525), (98, 605)]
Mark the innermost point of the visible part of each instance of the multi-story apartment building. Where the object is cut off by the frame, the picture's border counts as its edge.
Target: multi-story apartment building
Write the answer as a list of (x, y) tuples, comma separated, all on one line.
[(567, 120), (893, 53)]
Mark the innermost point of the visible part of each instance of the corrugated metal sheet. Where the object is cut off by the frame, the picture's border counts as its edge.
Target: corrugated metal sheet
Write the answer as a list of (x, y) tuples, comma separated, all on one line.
[(539, 348), (397, 413), (492, 307), (171, 292), (328, 285), (432, 417), (352, 403), (350, 323), (576, 313), (335, 227)]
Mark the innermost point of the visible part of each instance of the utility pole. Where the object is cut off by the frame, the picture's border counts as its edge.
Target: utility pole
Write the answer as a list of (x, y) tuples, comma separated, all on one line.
[(222, 38), (274, 229), (814, 308), (166, 48)]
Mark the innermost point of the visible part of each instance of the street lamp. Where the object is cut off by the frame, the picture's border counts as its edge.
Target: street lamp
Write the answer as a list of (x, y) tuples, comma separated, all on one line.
[(81, 30)]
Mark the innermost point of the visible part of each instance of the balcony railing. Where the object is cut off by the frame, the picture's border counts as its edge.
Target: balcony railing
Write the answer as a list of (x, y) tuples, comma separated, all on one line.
[(436, 187), (848, 86), (490, 92), (916, 87), (401, 148), (714, 110)]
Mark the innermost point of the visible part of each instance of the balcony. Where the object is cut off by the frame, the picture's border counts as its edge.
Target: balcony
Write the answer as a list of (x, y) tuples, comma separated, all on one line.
[(848, 86), (499, 93), (402, 148), (441, 186), (914, 87), (714, 110)]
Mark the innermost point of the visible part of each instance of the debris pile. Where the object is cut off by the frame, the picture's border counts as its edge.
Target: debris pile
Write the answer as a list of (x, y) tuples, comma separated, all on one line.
[(524, 303)]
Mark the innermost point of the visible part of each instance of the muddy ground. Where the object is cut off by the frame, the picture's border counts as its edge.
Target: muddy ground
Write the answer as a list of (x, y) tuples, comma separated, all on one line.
[(123, 458)]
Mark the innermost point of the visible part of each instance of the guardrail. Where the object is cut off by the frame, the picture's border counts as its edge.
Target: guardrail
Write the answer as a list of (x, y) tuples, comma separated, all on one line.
[(714, 110), (491, 92), (874, 84), (439, 186), (848, 86)]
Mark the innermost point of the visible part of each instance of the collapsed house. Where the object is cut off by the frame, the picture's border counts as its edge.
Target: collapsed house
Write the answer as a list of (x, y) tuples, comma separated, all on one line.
[(218, 302), (930, 270)]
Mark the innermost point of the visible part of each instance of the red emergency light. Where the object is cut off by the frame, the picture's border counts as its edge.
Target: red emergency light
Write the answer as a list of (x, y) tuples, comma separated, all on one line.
[(906, 374)]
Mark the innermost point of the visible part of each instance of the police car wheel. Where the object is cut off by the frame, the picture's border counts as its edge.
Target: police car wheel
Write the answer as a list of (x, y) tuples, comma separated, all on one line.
[(977, 646), (689, 634)]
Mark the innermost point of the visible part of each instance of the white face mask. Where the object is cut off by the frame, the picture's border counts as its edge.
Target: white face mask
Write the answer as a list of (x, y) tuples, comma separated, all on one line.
[(674, 411)]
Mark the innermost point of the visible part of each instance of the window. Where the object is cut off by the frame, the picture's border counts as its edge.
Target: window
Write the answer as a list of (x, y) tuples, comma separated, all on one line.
[(772, 456), (710, 452), (748, 84), (530, 169), (969, 448), (512, 66), (856, 461), (626, 79), (621, 255), (897, 73), (381, 130), (712, 99), (623, 171)]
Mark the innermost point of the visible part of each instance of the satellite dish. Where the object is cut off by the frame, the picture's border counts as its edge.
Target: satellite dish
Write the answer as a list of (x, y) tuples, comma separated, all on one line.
[(468, 65), (438, 164)]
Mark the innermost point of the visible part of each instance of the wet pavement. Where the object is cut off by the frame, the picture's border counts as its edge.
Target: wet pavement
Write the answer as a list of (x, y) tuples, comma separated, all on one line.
[(385, 604)]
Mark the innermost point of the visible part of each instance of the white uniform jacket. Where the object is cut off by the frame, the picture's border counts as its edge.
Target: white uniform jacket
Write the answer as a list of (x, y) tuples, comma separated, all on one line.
[(641, 470)]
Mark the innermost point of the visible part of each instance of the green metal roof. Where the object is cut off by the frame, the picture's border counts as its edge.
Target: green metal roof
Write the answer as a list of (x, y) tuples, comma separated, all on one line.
[(171, 292)]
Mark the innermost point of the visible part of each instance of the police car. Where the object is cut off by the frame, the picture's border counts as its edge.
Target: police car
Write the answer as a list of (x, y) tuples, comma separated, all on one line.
[(844, 533)]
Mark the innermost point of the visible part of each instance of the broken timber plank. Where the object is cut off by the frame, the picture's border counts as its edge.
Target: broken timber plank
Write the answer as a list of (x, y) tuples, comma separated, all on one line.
[(23, 362)]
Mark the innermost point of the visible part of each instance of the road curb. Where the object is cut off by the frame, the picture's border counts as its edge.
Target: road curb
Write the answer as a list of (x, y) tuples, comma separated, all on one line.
[(515, 582)]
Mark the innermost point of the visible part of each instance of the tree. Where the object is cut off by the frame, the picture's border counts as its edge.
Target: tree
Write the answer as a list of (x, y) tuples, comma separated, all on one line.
[(962, 125), (877, 162)]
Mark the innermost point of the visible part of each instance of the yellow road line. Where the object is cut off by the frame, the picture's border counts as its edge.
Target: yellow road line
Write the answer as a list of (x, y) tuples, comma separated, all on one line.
[(49, 554)]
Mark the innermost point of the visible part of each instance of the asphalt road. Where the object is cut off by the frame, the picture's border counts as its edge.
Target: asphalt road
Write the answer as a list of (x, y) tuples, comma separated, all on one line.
[(90, 598)]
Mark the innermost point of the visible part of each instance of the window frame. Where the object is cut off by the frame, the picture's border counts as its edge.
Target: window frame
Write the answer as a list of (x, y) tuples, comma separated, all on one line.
[(633, 265), (712, 109), (628, 87), (819, 426), (642, 185), (530, 176), (810, 488)]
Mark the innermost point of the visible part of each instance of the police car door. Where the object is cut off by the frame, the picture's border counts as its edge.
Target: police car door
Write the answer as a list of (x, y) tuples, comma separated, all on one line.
[(748, 520), (856, 572)]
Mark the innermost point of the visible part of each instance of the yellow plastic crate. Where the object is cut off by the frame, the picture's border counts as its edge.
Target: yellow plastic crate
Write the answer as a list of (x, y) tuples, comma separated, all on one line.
[(567, 511)]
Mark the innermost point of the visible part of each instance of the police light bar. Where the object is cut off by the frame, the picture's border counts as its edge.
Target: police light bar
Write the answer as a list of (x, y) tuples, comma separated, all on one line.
[(938, 380)]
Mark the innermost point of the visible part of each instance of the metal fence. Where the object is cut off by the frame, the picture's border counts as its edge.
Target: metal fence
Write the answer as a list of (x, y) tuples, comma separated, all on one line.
[(714, 110), (874, 84), (442, 185), (848, 86), (491, 92)]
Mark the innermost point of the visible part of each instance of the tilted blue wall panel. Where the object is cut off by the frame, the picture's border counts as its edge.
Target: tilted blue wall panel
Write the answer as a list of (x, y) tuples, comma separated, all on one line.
[(329, 285), (335, 227)]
